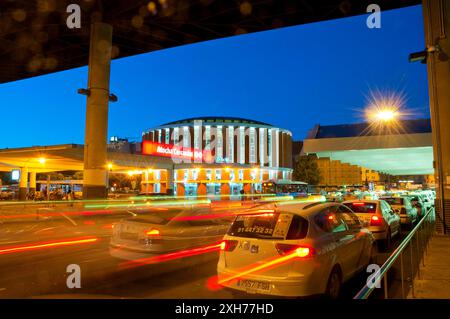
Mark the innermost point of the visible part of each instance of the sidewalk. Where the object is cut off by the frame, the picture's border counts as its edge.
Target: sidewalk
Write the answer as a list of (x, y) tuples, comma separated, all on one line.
[(434, 282)]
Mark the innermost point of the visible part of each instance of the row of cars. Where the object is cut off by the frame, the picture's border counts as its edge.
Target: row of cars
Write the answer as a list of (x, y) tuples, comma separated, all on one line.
[(281, 248)]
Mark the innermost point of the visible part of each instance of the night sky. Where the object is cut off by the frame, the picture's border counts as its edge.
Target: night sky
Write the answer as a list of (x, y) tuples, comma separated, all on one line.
[(293, 78)]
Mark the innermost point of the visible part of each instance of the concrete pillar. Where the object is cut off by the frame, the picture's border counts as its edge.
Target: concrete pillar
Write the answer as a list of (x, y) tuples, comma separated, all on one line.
[(225, 190), (180, 189), (33, 182), (95, 171), (169, 177), (437, 31), (201, 189), (23, 183)]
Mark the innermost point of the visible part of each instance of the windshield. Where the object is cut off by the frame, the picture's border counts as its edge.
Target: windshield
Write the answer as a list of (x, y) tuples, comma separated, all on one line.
[(362, 207), (394, 200)]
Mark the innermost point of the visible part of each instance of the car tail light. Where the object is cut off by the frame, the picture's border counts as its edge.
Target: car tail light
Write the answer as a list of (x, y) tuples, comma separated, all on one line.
[(301, 251), (228, 245), (153, 233), (375, 220)]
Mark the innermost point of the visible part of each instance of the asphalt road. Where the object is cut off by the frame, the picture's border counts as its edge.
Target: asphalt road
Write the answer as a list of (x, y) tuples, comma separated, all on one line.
[(40, 272)]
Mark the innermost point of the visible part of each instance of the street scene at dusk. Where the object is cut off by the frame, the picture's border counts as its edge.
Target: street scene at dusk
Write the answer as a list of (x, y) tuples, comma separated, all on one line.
[(273, 151)]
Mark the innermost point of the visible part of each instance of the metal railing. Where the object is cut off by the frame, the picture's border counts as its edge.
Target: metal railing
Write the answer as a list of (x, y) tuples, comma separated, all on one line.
[(404, 262)]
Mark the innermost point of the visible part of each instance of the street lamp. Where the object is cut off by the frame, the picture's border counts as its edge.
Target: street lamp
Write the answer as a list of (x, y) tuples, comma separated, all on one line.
[(382, 115), (386, 115)]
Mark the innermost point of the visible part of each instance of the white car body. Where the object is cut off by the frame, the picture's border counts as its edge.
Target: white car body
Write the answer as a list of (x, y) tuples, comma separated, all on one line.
[(340, 249), (381, 221)]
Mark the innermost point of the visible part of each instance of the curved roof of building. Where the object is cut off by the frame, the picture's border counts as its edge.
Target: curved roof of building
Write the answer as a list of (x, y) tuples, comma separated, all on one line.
[(217, 119)]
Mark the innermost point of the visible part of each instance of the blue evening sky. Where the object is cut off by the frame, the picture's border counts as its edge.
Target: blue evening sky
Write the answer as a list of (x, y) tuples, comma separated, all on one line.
[(293, 78)]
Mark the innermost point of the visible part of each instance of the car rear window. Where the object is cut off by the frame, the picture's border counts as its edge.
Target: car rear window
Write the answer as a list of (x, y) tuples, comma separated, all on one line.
[(269, 226), (393, 200), (362, 207)]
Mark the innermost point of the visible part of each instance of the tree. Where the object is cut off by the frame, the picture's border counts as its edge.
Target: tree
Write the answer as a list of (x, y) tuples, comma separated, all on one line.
[(5, 178), (307, 170), (78, 175)]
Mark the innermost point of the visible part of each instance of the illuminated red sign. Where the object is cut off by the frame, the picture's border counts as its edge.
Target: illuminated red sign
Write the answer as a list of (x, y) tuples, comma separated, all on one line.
[(173, 151)]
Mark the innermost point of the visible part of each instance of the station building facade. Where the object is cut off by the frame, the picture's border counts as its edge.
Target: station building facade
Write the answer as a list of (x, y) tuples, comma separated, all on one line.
[(217, 156)]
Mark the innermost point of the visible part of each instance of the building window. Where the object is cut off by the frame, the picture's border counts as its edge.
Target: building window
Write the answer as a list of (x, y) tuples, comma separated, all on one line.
[(176, 136), (242, 144), (159, 136), (230, 153), (167, 141), (232, 175), (241, 174), (208, 175), (252, 138), (219, 145), (197, 138), (186, 174), (157, 175), (218, 174), (186, 137), (276, 159), (262, 146), (208, 137), (269, 146), (195, 174)]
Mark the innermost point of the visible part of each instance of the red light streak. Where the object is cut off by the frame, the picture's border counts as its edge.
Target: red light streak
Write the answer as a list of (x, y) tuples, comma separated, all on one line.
[(83, 213), (170, 256), (209, 216), (214, 283), (43, 245)]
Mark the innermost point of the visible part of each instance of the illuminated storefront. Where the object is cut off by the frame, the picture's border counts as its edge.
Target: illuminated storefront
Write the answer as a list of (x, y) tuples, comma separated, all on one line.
[(217, 156)]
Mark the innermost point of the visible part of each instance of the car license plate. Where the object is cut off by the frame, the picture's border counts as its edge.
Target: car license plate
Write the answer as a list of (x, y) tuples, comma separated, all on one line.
[(253, 284)]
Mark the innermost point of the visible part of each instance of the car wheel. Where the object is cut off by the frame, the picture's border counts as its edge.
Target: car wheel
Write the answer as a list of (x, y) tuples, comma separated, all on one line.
[(334, 284)]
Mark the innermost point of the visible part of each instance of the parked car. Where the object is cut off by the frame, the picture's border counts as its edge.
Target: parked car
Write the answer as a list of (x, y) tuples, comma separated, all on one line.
[(326, 242), (403, 206), (420, 203), (379, 217), (162, 230), (6, 194), (428, 199)]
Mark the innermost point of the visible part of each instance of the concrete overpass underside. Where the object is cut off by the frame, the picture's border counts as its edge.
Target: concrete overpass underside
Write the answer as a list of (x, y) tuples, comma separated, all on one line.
[(68, 157)]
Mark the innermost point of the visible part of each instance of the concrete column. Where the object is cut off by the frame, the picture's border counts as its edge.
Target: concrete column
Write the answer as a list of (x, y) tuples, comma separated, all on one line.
[(225, 190), (180, 189), (201, 189), (169, 177), (437, 31), (23, 183), (95, 171), (32, 182)]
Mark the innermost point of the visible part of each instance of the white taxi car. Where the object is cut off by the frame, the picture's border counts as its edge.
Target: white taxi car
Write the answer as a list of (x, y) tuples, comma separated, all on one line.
[(294, 249), (379, 217)]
